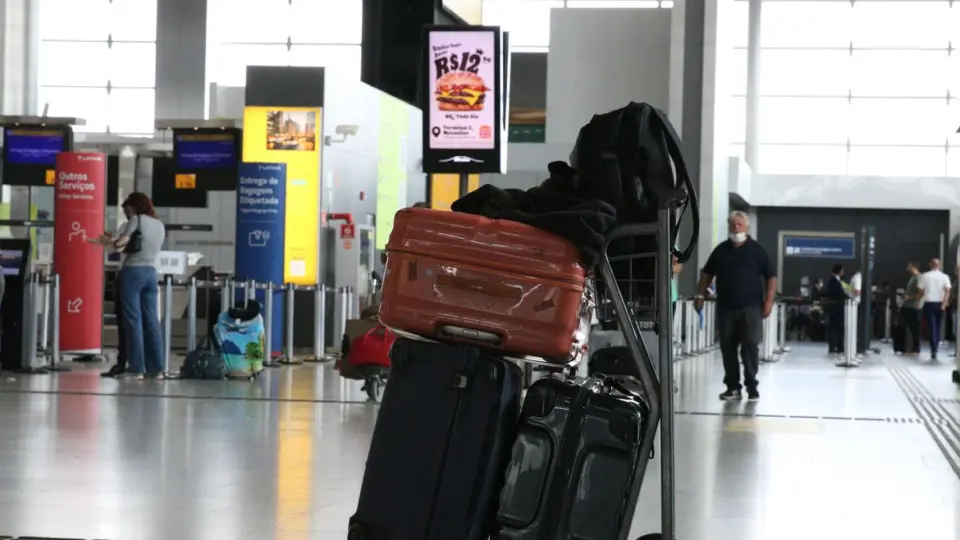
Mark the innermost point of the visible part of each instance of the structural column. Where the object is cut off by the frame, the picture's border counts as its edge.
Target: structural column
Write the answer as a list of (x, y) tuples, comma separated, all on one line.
[(752, 150), (181, 59)]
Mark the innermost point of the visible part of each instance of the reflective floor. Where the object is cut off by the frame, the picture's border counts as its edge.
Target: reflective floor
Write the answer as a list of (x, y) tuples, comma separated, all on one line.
[(827, 454)]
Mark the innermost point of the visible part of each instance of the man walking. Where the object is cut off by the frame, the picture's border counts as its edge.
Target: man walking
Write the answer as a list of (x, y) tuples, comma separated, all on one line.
[(910, 311), (935, 287), (746, 284)]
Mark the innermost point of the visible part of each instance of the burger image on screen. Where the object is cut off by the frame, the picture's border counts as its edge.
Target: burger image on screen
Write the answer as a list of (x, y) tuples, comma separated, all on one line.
[(461, 91)]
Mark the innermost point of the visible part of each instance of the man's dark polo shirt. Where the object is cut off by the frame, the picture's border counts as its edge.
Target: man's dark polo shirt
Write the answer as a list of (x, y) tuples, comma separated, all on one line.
[(741, 273)]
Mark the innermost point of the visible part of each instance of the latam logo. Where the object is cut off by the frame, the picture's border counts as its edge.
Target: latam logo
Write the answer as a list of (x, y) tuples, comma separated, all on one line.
[(74, 182), (90, 157)]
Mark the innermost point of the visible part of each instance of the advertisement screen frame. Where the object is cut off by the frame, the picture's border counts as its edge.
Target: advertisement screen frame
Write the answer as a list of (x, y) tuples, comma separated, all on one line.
[(463, 160)]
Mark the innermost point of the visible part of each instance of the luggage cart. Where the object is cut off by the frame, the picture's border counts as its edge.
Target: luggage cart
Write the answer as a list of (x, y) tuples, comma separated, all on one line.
[(633, 313)]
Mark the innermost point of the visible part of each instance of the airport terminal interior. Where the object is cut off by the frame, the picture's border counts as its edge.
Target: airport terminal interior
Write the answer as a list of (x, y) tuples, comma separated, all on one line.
[(289, 148)]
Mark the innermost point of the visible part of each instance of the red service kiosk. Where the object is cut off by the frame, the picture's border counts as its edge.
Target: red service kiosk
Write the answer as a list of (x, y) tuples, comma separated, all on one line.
[(79, 211)]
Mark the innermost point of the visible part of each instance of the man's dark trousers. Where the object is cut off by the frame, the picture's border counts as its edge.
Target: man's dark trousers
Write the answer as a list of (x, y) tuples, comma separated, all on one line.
[(741, 331), (835, 322), (933, 312), (911, 318)]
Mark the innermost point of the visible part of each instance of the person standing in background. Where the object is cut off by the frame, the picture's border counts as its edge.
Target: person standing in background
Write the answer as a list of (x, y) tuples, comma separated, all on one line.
[(746, 287), (835, 299), (935, 287), (910, 311)]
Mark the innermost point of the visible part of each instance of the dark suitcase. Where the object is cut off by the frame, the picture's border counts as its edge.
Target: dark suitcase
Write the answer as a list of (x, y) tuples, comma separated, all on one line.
[(446, 425), (614, 362), (576, 467)]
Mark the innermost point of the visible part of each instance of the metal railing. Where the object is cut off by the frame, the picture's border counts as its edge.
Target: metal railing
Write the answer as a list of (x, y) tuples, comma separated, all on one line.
[(42, 298)]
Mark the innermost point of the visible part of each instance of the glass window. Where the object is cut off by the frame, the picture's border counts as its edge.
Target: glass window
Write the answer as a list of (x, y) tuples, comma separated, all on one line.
[(806, 24), (133, 20), (528, 21), (738, 150), (953, 162), (73, 63), (229, 62), (740, 23), (249, 21), (953, 69), (737, 70), (899, 121), (903, 23), (343, 60), (133, 64), (802, 159), (804, 72), (326, 21), (75, 19), (131, 111), (738, 119), (897, 161), (953, 23), (899, 73), (89, 104), (803, 120)]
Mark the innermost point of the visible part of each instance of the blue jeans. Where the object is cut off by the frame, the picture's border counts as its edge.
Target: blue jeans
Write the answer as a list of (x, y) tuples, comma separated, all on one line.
[(141, 321), (933, 313)]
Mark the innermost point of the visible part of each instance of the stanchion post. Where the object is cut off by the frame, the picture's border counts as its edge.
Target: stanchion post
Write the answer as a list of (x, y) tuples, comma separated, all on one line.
[(351, 313), (268, 324), (251, 291), (55, 339), (288, 325), (319, 321), (30, 301), (192, 314), (344, 312), (167, 320), (782, 318), (687, 337), (233, 294), (887, 323), (225, 290), (45, 320)]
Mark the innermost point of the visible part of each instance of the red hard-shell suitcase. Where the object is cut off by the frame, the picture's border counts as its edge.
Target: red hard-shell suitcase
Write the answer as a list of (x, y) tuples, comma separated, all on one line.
[(497, 283)]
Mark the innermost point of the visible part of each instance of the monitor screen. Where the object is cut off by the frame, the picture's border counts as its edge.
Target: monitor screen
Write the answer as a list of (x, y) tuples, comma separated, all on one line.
[(205, 151), (32, 146), (11, 261)]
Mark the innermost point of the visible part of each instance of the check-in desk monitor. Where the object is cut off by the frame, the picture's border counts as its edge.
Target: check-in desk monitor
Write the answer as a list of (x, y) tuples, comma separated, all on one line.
[(15, 264)]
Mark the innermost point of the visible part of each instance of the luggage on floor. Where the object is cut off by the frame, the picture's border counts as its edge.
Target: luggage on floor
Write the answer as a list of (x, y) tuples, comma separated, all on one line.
[(205, 362), (447, 421), (495, 283), (239, 334), (613, 362), (372, 348), (576, 468)]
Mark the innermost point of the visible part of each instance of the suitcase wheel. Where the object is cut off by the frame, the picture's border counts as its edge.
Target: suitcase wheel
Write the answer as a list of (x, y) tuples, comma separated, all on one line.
[(626, 428), (539, 402)]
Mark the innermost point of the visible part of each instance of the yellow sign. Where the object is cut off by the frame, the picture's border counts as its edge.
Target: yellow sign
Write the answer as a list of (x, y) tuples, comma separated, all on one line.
[(292, 135), (185, 181), (445, 189), (51, 177)]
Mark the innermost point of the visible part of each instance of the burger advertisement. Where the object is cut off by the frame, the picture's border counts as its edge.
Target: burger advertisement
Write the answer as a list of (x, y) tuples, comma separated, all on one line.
[(462, 107)]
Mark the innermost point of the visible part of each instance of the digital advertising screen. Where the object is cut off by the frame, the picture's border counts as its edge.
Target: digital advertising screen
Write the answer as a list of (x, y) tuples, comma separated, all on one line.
[(205, 151), (291, 135), (463, 102), (32, 147)]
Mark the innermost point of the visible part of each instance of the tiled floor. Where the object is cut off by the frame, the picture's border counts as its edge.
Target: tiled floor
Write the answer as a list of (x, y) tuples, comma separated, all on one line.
[(826, 454)]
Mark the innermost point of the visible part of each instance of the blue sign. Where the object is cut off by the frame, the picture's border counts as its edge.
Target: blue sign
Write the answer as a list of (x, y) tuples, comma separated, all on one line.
[(817, 247), (261, 213), (205, 151), (27, 147)]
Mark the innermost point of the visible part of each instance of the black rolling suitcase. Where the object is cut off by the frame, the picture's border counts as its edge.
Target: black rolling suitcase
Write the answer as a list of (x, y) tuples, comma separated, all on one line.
[(577, 465), (447, 421)]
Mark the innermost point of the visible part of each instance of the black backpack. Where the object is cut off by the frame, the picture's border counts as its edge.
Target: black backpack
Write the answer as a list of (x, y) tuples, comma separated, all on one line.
[(632, 159)]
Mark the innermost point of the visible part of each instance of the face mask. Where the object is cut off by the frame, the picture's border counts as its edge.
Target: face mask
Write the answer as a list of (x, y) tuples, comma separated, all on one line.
[(738, 238)]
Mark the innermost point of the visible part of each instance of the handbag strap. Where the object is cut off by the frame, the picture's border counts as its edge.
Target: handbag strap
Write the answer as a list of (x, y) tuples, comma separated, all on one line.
[(386, 331)]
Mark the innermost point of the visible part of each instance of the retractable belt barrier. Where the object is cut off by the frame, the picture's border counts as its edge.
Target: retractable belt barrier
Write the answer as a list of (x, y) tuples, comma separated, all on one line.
[(42, 296), (773, 344), (694, 333), (849, 356)]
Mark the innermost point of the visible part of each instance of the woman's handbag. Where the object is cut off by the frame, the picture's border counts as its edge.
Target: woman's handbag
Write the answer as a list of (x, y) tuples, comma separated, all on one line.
[(135, 242), (372, 348)]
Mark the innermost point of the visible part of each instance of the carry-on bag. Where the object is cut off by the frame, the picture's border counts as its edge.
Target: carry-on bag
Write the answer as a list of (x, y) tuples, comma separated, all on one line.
[(496, 283), (447, 421), (576, 468)]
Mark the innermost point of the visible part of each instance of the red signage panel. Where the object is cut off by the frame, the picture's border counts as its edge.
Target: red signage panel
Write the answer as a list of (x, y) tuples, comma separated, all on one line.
[(79, 215)]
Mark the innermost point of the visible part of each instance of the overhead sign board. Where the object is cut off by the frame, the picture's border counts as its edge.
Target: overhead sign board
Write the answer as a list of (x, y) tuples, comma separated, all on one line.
[(816, 247)]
